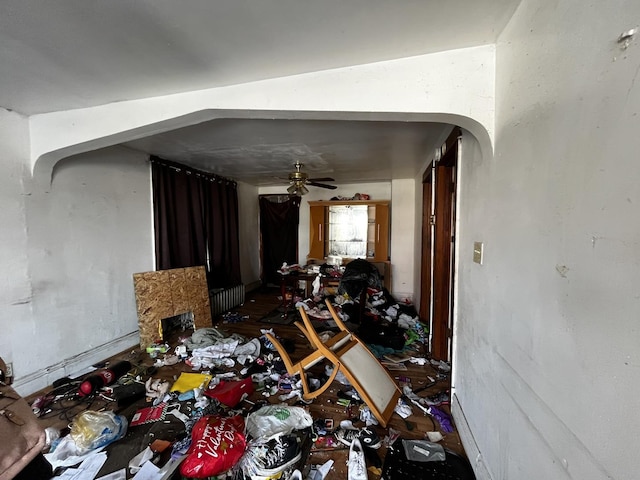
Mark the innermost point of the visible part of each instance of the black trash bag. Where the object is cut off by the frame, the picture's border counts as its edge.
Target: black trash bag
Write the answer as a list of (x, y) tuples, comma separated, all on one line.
[(358, 275), (352, 312), (376, 332), (408, 309)]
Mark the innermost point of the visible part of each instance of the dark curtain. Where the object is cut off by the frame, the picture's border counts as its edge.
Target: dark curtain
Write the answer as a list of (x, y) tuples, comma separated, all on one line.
[(196, 222), (178, 209), (279, 232), (222, 234)]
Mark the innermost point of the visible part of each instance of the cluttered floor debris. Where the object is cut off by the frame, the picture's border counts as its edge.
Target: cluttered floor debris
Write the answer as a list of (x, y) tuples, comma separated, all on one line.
[(219, 403)]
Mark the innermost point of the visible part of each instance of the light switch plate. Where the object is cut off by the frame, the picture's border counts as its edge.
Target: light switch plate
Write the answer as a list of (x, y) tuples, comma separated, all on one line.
[(478, 250)]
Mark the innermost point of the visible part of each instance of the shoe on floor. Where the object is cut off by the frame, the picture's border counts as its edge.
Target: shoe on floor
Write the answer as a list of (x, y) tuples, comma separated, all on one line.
[(278, 454), (438, 399), (296, 475), (367, 436), (356, 465)]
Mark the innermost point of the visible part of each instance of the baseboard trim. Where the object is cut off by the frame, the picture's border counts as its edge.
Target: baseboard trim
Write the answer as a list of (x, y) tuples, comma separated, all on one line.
[(43, 378), (468, 441)]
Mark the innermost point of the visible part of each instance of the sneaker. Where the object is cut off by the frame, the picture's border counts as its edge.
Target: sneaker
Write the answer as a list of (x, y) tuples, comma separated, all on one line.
[(438, 399), (367, 437), (356, 465), (278, 454)]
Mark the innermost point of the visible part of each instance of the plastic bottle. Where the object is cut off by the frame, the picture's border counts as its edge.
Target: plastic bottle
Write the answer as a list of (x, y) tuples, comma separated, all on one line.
[(51, 434), (103, 377)]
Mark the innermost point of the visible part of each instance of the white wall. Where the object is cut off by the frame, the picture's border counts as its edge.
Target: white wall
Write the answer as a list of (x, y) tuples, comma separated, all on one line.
[(87, 234), (15, 287), (548, 345), (402, 246)]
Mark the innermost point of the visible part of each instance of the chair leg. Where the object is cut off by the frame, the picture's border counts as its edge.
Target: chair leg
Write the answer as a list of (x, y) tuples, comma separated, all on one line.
[(283, 353), (307, 395), (298, 369)]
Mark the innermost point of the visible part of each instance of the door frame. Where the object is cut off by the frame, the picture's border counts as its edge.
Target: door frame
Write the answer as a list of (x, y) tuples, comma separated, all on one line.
[(438, 246)]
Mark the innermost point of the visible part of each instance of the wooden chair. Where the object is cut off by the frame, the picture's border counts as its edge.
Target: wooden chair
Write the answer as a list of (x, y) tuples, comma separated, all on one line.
[(348, 355), (302, 366)]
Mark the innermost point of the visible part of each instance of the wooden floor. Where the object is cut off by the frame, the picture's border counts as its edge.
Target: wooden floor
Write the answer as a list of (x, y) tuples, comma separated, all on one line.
[(258, 304)]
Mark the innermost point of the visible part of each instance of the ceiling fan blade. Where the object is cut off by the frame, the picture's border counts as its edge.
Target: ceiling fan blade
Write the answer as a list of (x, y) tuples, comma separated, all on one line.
[(322, 185), (324, 179)]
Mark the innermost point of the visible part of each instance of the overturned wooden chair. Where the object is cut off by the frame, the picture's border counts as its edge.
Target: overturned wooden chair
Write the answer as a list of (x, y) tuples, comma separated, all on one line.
[(301, 367), (347, 354)]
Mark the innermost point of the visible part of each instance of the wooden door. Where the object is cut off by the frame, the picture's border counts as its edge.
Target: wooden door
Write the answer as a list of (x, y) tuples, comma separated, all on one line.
[(317, 224), (439, 205)]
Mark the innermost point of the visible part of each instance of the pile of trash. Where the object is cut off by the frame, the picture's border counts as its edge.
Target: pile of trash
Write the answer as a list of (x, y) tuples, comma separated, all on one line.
[(237, 414), (382, 321)]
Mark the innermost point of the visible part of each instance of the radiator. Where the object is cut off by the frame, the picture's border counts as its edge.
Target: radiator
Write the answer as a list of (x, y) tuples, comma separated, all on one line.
[(223, 300)]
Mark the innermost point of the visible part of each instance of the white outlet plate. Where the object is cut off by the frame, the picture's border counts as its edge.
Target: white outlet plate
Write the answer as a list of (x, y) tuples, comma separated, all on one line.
[(478, 252), (9, 372)]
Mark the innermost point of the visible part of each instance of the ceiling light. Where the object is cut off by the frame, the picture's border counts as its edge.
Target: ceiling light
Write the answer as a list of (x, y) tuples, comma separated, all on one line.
[(297, 189)]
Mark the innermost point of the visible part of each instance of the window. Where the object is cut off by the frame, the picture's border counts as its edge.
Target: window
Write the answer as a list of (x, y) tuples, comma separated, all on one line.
[(348, 229)]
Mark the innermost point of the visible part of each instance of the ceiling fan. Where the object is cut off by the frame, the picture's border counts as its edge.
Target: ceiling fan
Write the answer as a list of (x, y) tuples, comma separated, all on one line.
[(298, 181)]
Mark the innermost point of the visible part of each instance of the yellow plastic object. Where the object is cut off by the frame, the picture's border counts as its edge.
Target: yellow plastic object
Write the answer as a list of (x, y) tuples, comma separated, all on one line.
[(91, 429), (189, 381)]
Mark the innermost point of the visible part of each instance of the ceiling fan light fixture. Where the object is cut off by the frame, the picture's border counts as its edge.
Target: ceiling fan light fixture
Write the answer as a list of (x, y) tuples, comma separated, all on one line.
[(297, 190), (299, 179)]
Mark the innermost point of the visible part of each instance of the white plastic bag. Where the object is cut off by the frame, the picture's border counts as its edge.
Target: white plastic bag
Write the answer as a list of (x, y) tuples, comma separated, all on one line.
[(91, 429), (277, 419)]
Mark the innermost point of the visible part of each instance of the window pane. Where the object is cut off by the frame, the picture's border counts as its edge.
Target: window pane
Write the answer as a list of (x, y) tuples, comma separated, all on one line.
[(348, 230)]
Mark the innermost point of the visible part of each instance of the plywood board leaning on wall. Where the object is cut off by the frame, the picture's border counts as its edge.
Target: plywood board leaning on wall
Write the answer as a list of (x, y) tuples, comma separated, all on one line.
[(167, 293)]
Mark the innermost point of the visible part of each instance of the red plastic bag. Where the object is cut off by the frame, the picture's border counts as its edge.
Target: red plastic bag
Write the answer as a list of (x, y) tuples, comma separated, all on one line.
[(230, 393), (217, 443)]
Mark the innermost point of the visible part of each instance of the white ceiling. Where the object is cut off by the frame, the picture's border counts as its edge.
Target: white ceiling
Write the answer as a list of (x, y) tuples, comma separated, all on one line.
[(72, 54), (263, 152)]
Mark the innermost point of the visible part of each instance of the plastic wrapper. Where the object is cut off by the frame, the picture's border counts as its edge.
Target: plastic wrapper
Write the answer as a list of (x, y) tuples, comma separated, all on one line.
[(274, 419), (217, 443), (423, 451), (443, 419), (91, 429)]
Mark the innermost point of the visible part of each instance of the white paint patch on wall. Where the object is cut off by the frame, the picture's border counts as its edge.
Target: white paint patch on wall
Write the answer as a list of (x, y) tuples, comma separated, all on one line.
[(87, 235)]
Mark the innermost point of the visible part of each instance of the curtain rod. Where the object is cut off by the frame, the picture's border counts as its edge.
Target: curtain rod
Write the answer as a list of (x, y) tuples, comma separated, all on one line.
[(191, 171)]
